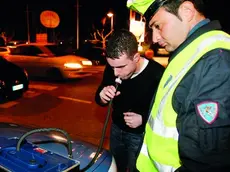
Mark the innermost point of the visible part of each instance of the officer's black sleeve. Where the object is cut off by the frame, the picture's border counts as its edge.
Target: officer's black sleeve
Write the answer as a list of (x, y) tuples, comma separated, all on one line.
[(204, 140), (108, 79)]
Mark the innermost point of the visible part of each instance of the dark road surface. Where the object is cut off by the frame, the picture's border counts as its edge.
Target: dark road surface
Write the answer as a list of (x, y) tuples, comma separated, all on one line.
[(69, 105)]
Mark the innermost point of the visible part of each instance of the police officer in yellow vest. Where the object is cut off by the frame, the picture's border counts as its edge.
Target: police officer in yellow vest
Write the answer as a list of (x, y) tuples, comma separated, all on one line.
[(188, 129)]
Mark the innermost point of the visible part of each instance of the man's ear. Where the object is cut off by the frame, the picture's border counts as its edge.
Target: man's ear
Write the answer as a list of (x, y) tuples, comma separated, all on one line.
[(136, 57), (187, 11)]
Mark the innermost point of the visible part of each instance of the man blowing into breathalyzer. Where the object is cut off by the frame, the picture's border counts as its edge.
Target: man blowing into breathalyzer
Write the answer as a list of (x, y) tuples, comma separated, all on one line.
[(131, 100)]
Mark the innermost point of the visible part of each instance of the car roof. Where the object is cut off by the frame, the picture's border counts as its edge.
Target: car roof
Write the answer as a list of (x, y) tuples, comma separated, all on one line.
[(4, 47), (36, 44)]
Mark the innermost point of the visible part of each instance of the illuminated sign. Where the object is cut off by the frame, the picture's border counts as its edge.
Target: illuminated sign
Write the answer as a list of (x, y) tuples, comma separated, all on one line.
[(41, 38), (49, 19), (138, 29)]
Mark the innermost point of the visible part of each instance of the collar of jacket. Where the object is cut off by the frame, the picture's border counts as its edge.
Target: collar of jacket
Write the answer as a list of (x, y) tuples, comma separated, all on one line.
[(213, 25)]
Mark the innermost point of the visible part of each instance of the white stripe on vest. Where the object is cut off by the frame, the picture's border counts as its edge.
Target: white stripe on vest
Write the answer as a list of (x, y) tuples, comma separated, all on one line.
[(160, 167)]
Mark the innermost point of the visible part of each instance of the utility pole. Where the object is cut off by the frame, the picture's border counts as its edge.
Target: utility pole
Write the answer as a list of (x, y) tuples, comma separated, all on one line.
[(28, 24), (77, 24)]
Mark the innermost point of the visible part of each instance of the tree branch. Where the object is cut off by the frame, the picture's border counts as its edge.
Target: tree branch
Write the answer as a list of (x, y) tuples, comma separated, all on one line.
[(109, 33)]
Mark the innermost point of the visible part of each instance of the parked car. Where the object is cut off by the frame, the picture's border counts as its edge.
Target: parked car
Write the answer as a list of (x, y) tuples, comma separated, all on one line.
[(159, 51), (4, 51), (13, 81), (13, 44), (162, 60), (96, 54), (50, 60), (27, 149), (158, 54)]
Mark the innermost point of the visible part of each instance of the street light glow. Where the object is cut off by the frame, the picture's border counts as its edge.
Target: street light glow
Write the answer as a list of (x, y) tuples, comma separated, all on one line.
[(110, 14)]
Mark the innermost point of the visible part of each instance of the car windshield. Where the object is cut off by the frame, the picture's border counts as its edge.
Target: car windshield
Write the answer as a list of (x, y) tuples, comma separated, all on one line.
[(58, 50)]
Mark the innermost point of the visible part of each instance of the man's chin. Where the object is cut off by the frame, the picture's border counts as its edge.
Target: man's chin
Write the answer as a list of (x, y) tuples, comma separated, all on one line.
[(169, 49), (124, 77)]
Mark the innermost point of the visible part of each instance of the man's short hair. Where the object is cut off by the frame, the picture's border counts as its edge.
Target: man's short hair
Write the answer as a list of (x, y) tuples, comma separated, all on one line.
[(172, 6), (121, 42)]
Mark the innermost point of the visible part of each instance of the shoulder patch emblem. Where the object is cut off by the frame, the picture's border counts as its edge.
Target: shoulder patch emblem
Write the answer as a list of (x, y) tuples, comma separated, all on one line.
[(208, 111)]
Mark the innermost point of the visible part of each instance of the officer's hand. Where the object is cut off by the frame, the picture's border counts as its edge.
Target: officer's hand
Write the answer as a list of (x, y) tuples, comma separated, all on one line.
[(108, 93), (133, 120)]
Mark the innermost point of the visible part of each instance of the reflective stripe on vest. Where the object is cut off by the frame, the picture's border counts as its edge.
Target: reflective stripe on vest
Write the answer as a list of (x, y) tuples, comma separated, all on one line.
[(160, 148)]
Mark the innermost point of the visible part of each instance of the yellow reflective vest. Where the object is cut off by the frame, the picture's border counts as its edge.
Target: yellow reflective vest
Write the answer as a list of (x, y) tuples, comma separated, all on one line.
[(159, 151)]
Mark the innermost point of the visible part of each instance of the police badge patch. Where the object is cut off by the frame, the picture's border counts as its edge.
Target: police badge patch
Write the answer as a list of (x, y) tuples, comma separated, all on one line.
[(208, 111)]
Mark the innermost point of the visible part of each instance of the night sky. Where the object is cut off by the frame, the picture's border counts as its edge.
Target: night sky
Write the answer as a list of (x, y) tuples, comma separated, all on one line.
[(13, 16), (14, 22)]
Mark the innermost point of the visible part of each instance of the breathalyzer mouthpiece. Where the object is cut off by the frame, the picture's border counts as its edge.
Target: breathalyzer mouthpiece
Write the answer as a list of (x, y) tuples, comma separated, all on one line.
[(118, 80)]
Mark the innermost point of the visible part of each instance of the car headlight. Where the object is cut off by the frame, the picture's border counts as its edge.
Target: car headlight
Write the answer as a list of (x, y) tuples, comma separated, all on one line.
[(73, 65), (87, 62)]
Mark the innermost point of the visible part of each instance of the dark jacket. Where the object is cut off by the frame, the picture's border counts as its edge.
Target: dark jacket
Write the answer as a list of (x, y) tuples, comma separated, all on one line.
[(203, 146), (136, 94)]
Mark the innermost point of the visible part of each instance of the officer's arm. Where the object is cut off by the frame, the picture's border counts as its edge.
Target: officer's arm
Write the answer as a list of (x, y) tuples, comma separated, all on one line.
[(205, 141)]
